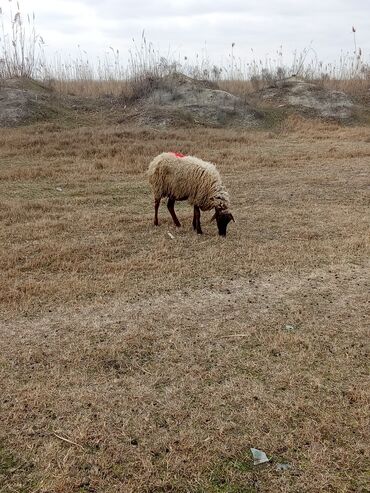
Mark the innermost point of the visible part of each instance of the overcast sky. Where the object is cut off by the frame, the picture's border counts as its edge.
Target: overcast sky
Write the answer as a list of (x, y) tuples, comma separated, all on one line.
[(186, 27)]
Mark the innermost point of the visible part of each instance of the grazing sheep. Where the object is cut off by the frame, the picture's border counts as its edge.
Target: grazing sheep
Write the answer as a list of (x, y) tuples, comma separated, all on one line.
[(180, 177)]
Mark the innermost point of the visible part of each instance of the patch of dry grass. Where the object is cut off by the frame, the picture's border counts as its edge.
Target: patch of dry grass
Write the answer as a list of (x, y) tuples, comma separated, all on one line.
[(354, 86), (163, 360), (130, 90)]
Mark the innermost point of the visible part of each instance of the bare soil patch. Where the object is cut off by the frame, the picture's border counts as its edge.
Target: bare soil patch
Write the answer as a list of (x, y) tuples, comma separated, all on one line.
[(181, 100), (25, 101), (135, 362), (308, 99)]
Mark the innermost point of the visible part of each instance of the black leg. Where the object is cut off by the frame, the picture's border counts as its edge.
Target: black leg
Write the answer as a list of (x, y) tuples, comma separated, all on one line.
[(171, 208), (156, 207), (197, 220)]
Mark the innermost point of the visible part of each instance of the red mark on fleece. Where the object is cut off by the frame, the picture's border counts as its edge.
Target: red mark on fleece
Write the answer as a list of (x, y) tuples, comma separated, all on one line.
[(178, 154)]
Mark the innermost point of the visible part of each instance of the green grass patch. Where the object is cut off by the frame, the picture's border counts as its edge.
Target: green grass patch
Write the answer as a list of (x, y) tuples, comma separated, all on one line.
[(14, 474), (232, 475)]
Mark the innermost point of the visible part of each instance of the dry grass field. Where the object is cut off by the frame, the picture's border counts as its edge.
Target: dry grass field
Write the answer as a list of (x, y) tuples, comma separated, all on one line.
[(133, 362)]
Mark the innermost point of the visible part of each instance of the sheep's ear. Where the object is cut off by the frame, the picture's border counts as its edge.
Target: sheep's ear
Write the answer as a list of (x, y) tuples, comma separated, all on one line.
[(232, 218), (213, 217)]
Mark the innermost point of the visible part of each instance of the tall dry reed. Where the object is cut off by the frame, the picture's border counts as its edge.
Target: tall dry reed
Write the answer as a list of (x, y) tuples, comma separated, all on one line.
[(21, 55)]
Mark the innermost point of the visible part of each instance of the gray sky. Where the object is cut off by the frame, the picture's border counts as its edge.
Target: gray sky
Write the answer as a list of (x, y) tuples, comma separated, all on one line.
[(186, 27)]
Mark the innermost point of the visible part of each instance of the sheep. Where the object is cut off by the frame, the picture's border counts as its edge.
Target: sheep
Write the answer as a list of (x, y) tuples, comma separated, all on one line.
[(180, 177)]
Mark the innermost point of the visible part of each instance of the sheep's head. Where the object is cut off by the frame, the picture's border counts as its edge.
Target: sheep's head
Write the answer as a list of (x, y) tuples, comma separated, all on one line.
[(223, 217)]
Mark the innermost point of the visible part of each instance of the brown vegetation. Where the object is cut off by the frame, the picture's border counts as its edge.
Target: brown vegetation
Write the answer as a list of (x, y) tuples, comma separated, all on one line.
[(135, 362)]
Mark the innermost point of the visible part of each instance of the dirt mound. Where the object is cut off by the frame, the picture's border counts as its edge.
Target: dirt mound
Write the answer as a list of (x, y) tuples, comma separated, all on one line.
[(23, 101), (178, 99), (308, 99)]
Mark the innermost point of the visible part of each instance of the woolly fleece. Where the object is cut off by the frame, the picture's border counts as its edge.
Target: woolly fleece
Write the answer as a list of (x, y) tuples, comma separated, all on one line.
[(188, 178)]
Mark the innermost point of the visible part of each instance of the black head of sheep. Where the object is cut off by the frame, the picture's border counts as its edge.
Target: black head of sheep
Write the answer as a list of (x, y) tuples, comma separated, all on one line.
[(223, 217)]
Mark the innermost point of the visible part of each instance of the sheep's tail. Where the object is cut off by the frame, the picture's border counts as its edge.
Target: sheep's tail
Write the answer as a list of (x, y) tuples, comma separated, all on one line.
[(152, 169)]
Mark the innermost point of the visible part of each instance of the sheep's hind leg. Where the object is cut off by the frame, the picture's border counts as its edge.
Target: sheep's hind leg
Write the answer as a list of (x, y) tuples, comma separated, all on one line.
[(156, 207), (171, 208), (196, 220)]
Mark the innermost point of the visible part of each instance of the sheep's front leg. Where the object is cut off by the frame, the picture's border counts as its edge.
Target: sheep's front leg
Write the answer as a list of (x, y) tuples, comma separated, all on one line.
[(171, 208), (196, 220), (156, 207)]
